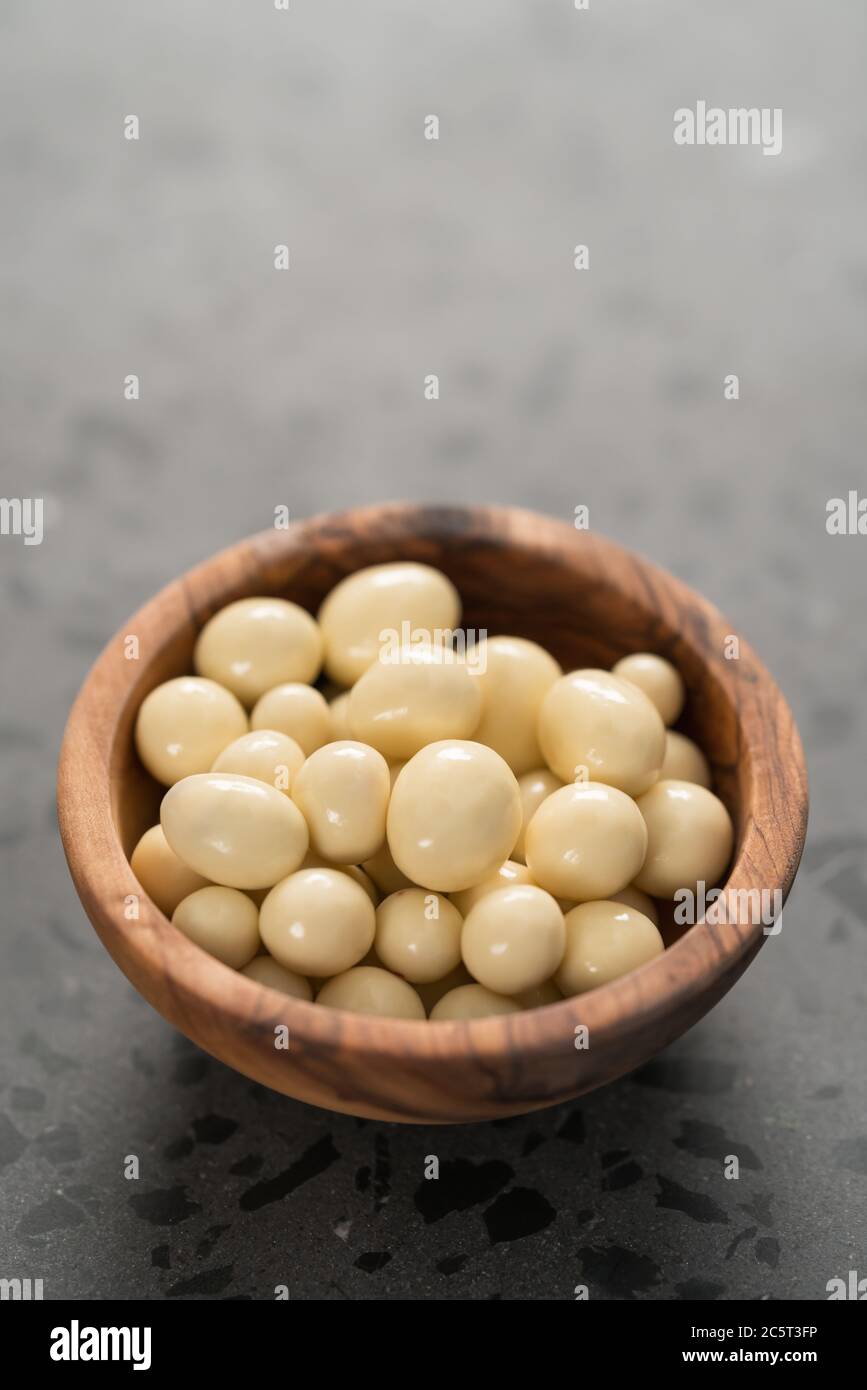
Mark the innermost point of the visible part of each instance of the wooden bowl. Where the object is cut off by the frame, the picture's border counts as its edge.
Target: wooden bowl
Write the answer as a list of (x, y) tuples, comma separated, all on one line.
[(589, 602)]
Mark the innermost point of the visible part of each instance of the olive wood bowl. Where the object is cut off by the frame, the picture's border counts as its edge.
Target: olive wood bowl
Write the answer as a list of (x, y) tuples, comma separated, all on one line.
[(589, 602)]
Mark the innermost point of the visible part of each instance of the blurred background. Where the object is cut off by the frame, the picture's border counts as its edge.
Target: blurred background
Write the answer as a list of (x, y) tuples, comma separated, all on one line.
[(604, 387)]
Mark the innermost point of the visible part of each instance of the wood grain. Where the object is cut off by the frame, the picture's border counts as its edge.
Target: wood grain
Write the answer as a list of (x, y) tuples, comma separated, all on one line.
[(588, 601)]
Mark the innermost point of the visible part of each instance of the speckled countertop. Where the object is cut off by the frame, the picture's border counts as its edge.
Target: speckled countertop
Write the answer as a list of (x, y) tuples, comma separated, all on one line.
[(557, 388)]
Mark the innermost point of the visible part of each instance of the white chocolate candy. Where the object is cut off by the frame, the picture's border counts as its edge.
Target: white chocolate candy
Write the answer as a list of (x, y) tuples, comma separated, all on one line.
[(689, 838), (369, 990), (339, 707), (224, 922), (265, 754), (424, 694), (633, 897), (317, 922), (431, 994), (257, 643), (535, 998), (601, 727), (234, 830), (506, 876), (513, 939), (418, 935), (165, 878), (184, 724), (534, 787), (604, 940), (661, 682), (684, 761), (471, 1001), (385, 873), (267, 971), (296, 710), (454, 815), (342, 791), (380, 600), (586, 841), (315, 861), (515, 675)]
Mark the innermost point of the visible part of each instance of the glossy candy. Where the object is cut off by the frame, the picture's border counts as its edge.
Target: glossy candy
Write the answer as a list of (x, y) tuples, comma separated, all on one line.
[(234, 830), (184, 724), (257, 643), (598, 726)]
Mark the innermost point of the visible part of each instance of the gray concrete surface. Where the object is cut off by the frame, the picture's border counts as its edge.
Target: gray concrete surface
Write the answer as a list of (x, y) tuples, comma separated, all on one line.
[(557, 388)]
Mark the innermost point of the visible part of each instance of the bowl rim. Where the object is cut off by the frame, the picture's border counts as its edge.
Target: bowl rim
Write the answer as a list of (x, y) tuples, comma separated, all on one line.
[(699, 960)]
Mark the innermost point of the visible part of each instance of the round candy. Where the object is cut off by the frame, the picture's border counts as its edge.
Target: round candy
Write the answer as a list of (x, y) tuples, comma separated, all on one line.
[(472, 1001), (586, 841), (257, 643), (296, 710), (661, 682), (267, 971), (514, 677), (513, 939), (380, 600), (505, 876), (224, 922), (234, 830), (431, 994), (184, 724), (689, 838), (454, 815), (684, 761), (165, 878), (315, 861), (369, 990), (545, 993), (424, 694), (633, 897), (385, 873), (418, 935), (342, 791), (317, 922), (601, 727), (604, 940), (534, 787), (339, 707), (265, 754)]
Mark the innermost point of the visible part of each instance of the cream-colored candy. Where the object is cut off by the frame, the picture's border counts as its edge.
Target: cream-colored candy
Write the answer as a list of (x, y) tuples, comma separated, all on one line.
[(601, 727), (317, 922), (535, 998), (224, 922), (418, 935), (342, 791), (514, 677), (296, 710), (257, 643), (633, 897), (684, 761), (380, 600), (385, 873), (586, 841), (315, 861), (604, 940), (506, 876), (165, 878), (265, 754), (234, 830), (513, 939), (431, 994), (534, 788), (425, 694), (340, 716), (369, 990), (471, 1001), (689, 838), (454, 815), (183, 724), (661, 682), (267, 971)]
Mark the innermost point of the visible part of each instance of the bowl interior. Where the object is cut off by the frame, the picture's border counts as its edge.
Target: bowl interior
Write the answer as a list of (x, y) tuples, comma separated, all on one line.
[(509, 585)]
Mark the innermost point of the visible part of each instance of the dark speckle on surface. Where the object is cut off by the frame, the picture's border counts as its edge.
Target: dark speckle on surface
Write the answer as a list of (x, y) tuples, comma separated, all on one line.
[(213, 1129), (203, 1285), (698, 1206), (460, 1186), (518, 1213), (372, 1261), (164, 1206), (312, 1162), (614, 1272), (12, 1142)]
